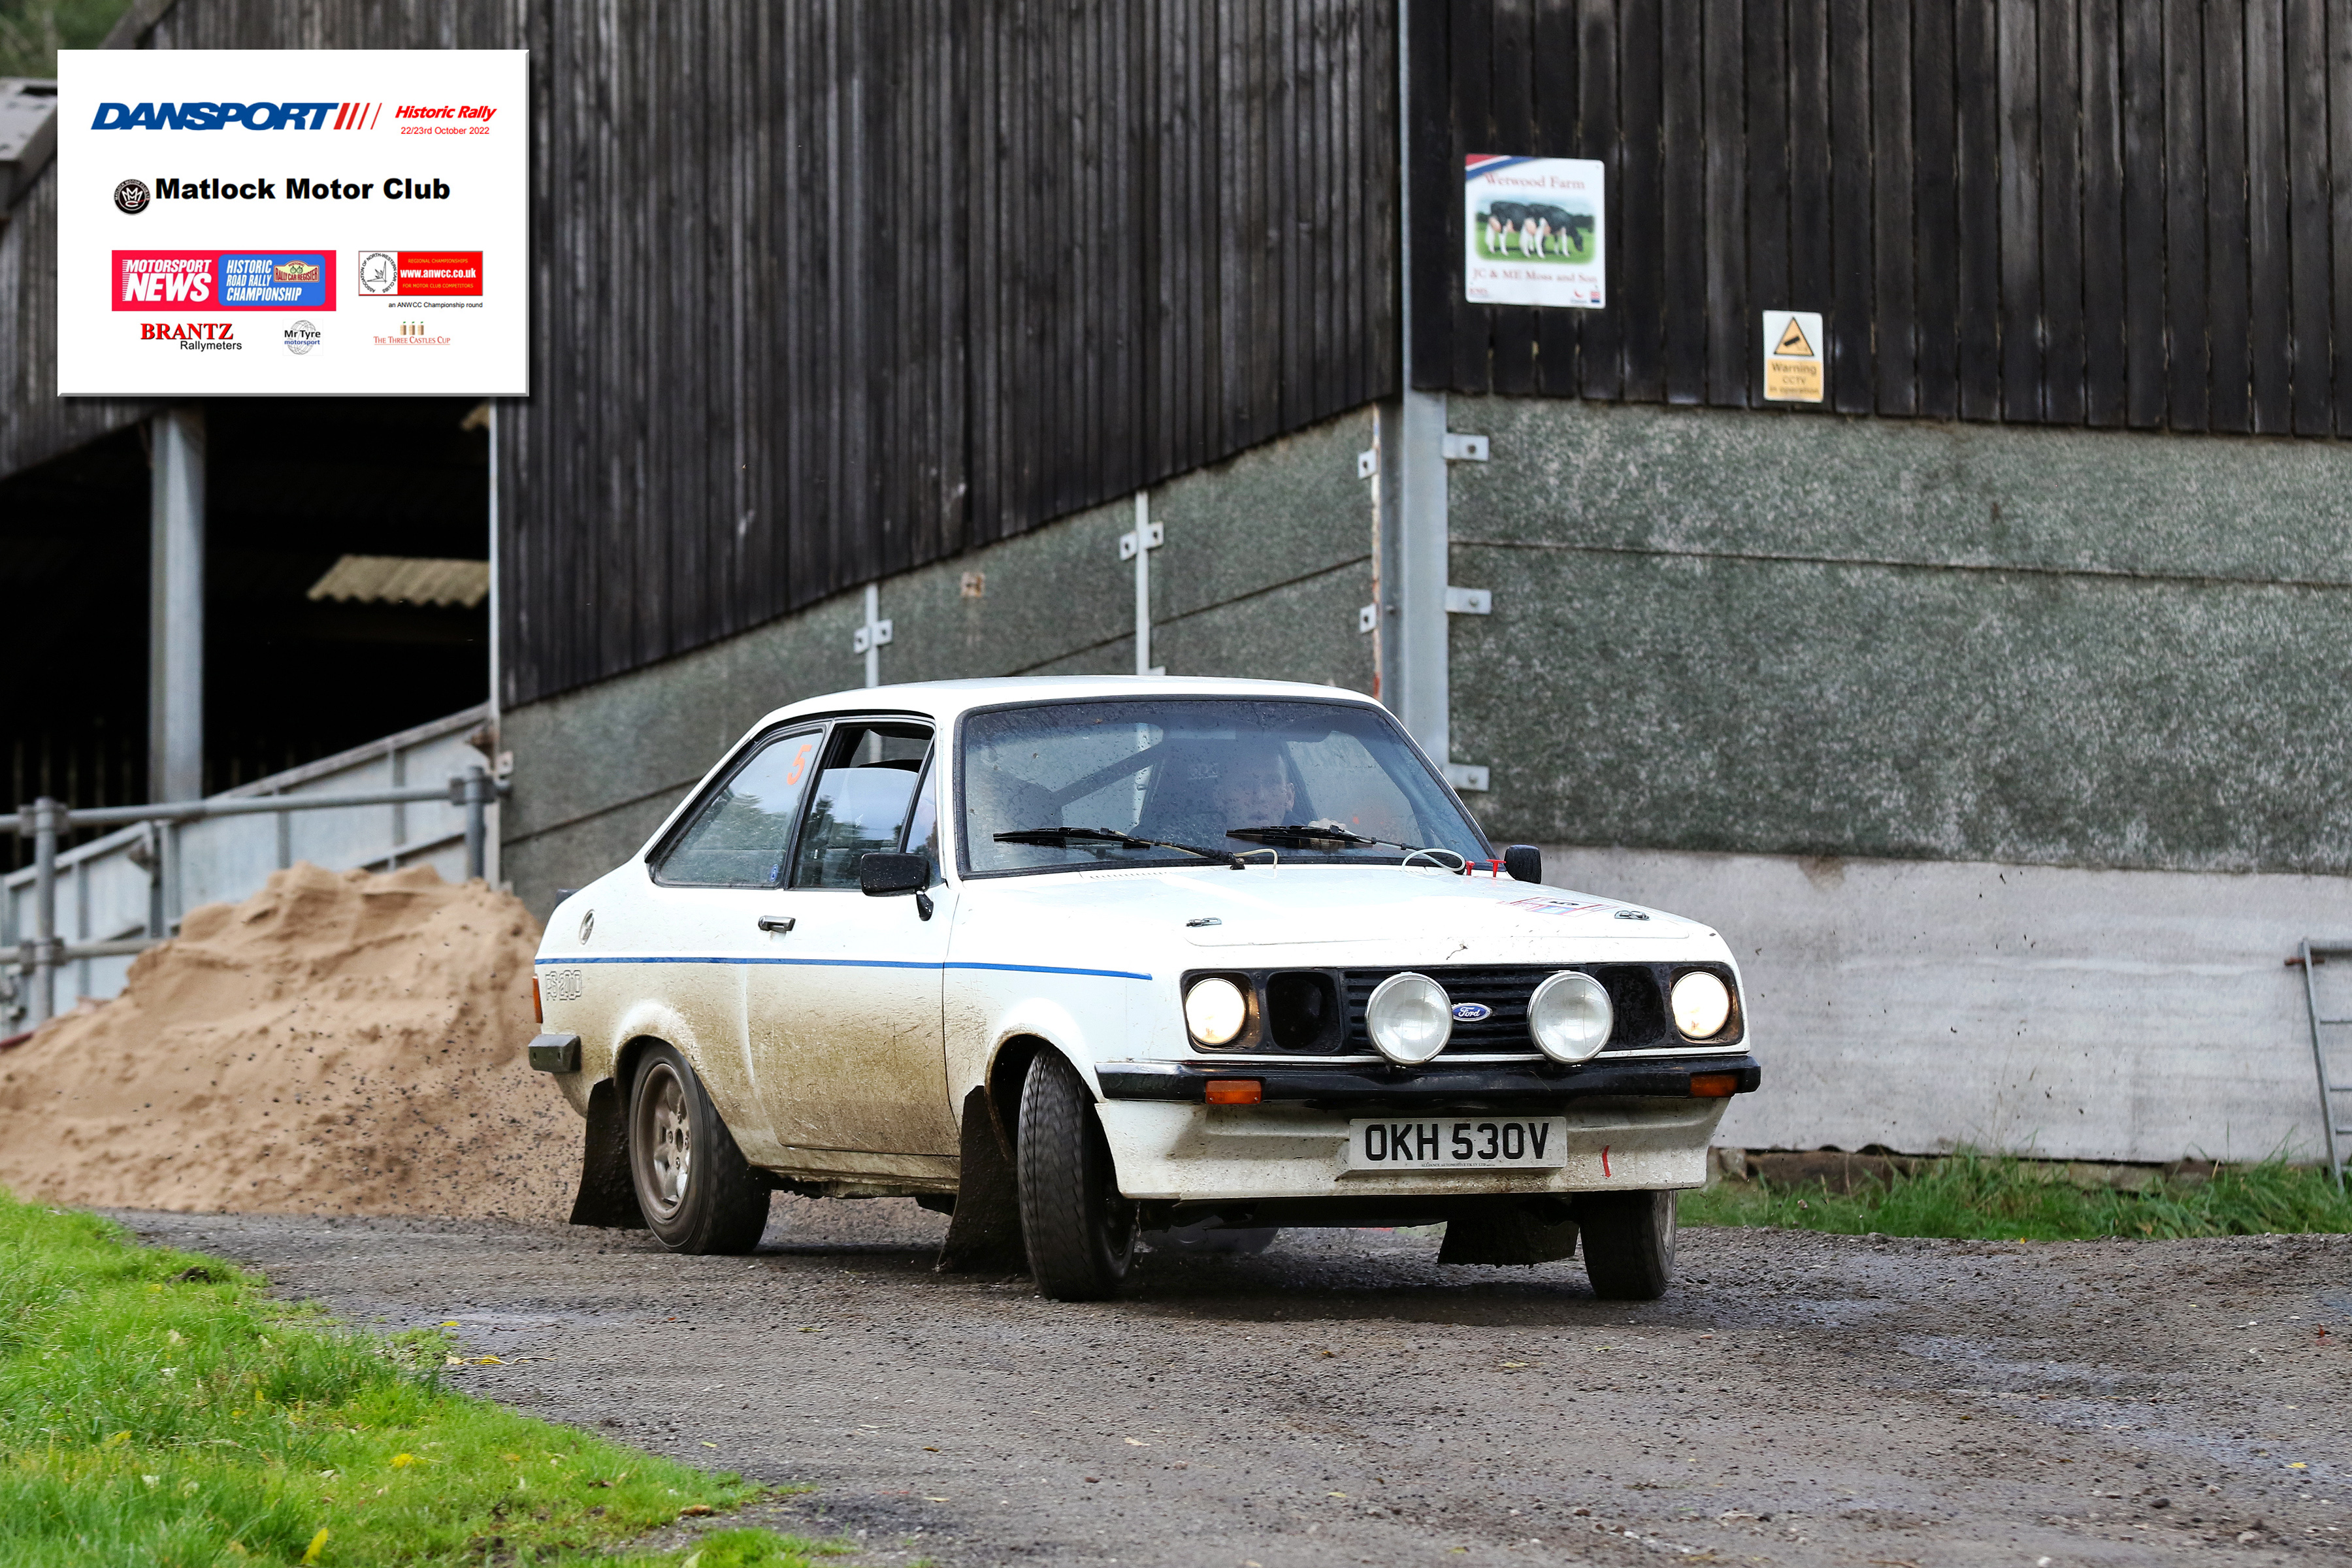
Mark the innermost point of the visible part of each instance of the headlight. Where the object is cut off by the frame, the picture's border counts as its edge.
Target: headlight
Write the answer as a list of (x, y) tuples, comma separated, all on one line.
[(1215, 1010), (1569, 1015), (1410, 1018), (1702, 1005)]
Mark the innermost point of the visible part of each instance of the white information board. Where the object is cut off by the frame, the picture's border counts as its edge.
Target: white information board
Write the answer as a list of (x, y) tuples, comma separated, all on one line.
[(1533, 231), (287, 221)]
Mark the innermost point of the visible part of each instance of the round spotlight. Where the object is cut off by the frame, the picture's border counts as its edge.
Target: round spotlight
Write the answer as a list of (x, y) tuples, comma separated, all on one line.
[(1569, 1016), (1702, 1005), (1410, 1018), (1215, 1010)]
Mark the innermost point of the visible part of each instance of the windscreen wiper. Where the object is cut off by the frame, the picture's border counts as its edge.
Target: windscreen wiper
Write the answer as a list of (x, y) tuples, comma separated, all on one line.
[(1064, 838), (1310, 835)]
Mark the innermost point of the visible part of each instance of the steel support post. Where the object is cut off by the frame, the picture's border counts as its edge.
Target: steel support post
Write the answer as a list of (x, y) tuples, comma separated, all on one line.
[(477, 801), (175, 607), (48, 818)]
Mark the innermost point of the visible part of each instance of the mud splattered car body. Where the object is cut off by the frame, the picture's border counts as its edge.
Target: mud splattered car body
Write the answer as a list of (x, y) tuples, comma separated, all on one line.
[(1236, 941)]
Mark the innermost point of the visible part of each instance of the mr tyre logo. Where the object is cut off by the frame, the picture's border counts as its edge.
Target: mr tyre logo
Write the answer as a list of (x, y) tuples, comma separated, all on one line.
[(301, 338)]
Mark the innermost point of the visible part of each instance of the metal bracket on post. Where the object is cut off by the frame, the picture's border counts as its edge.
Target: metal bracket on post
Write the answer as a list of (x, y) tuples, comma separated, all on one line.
[(1469, 601), (1138, 547), (1466, 776), (872, 637), (1464, 448)]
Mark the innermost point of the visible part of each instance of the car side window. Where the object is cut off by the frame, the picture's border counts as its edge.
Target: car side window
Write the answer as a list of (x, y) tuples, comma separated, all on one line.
[(742, 833), (861, 800)]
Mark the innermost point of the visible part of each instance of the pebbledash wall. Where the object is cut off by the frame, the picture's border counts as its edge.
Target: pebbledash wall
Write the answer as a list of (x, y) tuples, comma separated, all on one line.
[(2011, 760)]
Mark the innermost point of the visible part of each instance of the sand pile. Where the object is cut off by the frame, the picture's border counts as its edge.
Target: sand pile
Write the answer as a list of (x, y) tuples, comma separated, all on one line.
[(339, 1043)]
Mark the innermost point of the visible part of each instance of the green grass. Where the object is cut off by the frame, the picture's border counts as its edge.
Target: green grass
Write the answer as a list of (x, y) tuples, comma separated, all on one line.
[(2000, 1197), (150, 1416)]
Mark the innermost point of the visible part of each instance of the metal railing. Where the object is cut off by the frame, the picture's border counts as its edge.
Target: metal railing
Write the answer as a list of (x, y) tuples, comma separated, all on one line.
[(41, 955)]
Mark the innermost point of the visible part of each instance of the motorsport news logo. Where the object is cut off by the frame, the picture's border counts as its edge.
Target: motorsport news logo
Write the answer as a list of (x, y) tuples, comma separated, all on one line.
[(223, 280), (289, 115)]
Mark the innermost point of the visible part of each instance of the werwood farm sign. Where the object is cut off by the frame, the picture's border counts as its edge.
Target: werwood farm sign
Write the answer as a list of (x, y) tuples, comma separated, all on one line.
[(281, 222)]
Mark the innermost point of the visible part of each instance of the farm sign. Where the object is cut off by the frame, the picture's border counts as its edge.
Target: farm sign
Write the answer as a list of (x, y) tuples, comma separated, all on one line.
[(292, 221), (1532, 232)]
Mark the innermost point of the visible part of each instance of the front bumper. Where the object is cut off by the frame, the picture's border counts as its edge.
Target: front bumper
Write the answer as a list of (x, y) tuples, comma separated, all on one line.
[(1377, 1088), (1630, 1128)]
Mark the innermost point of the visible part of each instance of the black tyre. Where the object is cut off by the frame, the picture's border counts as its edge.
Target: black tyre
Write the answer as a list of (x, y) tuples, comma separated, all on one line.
[(1629, 1244), (693, 1185), (1079, 1231)]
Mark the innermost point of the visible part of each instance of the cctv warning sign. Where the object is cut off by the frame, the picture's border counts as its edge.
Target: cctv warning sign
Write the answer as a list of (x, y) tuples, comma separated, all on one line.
[(1792, 356)]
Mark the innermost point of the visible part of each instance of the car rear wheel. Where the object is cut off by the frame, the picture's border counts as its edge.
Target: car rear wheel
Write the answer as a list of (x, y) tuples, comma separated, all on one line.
[(1629, 1244), (694, 1187), (1080, 1232)]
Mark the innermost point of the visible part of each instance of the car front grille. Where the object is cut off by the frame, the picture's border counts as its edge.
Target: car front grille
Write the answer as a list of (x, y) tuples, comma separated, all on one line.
[(1637, 992)]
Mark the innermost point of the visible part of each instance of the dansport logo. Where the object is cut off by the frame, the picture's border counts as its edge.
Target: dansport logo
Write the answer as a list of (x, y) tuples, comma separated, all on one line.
[(289, 115)]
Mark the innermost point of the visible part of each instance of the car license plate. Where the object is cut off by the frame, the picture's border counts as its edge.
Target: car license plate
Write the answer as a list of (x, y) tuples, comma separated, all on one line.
[(1457, 1143)]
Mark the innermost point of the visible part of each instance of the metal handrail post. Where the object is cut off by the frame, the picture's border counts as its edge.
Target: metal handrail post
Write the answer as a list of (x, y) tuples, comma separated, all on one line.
[(44, 1006), (476, 801)]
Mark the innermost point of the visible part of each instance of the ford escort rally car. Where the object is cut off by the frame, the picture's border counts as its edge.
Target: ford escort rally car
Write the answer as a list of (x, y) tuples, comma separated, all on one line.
[(1086, 961)]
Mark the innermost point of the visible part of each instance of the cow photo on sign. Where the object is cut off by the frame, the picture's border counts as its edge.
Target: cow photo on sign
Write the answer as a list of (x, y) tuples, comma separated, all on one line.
[(1533, 231)]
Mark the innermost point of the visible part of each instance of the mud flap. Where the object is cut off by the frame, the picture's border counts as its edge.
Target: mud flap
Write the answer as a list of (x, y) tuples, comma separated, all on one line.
[(1510, 1233), (607, 1197), (985, 1229)]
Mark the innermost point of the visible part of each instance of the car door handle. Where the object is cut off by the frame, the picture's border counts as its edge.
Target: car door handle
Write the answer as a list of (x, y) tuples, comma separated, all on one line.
[(777, 923)]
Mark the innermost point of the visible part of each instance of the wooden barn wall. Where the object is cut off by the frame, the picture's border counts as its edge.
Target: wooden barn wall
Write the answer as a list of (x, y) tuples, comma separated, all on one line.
[(2112, 213), (831, 290), (36, 423)]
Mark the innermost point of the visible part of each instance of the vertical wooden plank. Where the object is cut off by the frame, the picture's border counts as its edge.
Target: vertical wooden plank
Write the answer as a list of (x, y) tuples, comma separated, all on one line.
[(1554, 59), (1766, 136), (1895, 238), (2186, 347), (2306, 111), (1471, 56), (1640, 284), (1435, 173), (2340, 204), (1812, 277), (2140, 74), (1728, 334), (2059, 126), (2021, 214), (1511, 364), (2269, 333), (2227, 256), (1601, 358), (2104, 265), (1683, 183), (1848, 326), (1937, 222), (1975, 56)]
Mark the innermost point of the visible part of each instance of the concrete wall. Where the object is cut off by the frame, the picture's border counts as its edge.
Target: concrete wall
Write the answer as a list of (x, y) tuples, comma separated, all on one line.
[(2012, 761)]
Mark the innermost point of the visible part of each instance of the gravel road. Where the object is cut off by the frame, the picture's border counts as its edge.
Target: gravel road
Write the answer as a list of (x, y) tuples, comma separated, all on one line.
[(1797, 1399)]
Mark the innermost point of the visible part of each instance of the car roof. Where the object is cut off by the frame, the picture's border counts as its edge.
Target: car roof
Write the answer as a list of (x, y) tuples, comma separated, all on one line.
[(945, 699)]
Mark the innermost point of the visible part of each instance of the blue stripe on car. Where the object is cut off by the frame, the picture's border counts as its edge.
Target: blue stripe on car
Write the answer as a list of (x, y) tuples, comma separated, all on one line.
[(856, 964)]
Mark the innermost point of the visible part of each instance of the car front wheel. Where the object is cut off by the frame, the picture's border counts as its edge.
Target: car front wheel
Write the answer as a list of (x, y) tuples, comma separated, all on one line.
[(1629, 1244), (694, 1187), (1080, 1230)]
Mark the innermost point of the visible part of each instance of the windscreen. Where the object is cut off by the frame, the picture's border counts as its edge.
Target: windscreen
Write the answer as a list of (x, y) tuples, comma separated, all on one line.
[(1194, 771)]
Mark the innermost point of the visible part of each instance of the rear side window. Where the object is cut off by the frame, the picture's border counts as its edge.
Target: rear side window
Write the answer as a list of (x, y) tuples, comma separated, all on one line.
[(861, 802), (742, 833)]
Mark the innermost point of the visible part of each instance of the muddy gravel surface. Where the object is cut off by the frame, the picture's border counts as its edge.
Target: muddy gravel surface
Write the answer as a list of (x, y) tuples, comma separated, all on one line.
[(1343, 1398)]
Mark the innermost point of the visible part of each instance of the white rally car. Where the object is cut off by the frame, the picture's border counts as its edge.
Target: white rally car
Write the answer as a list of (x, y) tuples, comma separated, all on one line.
[(1084, 961)]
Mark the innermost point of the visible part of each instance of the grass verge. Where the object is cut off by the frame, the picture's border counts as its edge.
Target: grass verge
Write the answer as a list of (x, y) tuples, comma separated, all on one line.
[(159, 1407), (1998, 1198)]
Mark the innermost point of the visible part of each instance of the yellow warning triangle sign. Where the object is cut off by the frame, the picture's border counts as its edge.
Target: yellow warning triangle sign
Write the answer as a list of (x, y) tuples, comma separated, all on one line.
[(1792, 343)]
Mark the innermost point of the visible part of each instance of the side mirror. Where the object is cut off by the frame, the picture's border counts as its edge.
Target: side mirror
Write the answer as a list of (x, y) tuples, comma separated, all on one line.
[(883, 874), (1523, 861)]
